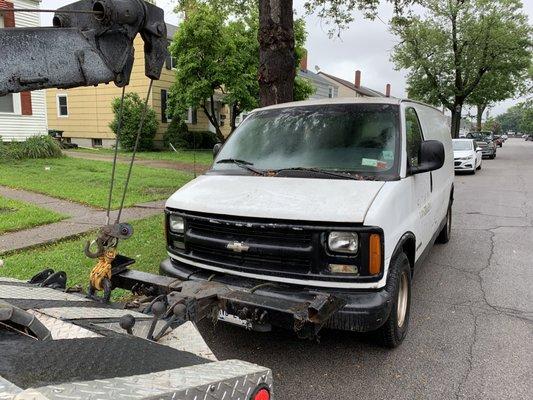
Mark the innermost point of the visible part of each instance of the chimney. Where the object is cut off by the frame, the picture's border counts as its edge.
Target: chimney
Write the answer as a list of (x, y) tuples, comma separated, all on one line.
[(357, 79), (387, 90), (303, 61)]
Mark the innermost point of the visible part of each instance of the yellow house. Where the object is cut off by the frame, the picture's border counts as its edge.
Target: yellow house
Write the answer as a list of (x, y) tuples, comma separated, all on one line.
[(84, 114)]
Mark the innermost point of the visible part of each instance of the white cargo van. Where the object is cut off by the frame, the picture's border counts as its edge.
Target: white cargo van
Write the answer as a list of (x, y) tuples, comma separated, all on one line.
[(342, 196)]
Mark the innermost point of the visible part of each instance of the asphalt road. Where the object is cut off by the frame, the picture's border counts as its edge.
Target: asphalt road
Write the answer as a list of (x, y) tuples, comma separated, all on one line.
[(471, 333)]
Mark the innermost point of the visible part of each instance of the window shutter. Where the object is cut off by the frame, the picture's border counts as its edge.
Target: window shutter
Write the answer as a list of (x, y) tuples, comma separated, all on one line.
[(194, 116), (25, 103), (163, 106), (9, 16)]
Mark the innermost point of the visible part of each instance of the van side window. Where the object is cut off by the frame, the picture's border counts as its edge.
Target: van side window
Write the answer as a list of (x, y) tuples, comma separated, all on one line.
[(414, 136)]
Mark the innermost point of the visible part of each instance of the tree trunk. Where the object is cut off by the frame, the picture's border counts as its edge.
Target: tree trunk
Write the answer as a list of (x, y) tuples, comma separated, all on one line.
[(479, 117), (456, 119), (212, 117), (233, 117), (277, 67)]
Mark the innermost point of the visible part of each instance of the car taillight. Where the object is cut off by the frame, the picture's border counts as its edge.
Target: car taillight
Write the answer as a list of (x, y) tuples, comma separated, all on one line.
[(261, 394)]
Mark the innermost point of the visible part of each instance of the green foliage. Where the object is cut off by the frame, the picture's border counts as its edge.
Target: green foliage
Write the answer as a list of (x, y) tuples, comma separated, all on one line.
[(87, 181), (302, 89), (228, 65), (147, 246), (176, 130), (518, 119), (181, 138), (18, 215), (33, 148), (455, 44), (338, 14), (132, 114)]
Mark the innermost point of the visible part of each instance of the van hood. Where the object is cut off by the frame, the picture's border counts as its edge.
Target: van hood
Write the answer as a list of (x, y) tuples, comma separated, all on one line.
[(321, 200)]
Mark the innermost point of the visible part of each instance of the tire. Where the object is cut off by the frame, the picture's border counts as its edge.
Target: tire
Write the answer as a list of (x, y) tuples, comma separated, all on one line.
[(394, 330), (478, 168), (473, 172), (445, 233)]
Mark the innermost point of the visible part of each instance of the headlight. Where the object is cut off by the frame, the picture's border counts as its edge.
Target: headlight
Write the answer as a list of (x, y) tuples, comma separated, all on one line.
[(343, 242), (176, 223)]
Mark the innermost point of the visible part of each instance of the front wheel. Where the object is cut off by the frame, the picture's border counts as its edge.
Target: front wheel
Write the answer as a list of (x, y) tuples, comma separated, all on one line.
[(394, 330)]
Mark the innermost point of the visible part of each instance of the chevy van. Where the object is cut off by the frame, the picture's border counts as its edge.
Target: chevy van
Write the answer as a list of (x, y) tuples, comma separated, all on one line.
[(337, 196)]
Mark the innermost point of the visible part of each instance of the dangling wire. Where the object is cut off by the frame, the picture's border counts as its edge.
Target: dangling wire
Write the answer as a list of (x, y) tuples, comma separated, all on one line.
[(137, 139), (119, 127)]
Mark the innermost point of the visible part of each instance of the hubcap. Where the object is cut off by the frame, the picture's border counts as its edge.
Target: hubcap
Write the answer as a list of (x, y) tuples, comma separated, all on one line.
[(403, 293)]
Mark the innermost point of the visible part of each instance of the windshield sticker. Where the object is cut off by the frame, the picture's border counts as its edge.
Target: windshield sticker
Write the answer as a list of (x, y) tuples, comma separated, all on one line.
[(369, 162), (388, 155), (382, 165)]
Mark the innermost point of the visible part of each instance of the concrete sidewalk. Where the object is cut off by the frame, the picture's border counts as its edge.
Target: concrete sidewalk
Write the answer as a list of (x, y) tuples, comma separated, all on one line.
[(82, 219)]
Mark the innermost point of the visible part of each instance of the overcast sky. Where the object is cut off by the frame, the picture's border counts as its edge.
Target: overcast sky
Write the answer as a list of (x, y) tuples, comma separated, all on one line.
[(366, 46)]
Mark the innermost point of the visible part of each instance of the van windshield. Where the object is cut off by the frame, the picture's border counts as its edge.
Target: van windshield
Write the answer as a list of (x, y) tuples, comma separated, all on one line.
[(348, 138)]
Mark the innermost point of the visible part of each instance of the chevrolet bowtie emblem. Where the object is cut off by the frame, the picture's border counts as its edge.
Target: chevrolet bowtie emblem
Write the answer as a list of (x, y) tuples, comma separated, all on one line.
[(237, 247)]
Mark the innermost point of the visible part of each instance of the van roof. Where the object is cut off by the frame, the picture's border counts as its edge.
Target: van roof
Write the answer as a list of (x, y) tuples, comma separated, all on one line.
[(344, 100)]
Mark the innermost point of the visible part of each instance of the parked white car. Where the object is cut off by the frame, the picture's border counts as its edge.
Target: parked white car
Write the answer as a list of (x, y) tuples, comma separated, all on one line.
[(314, 202), (467, 155)]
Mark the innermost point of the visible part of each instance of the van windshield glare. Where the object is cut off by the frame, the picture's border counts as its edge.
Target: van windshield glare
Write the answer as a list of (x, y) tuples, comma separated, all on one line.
[(349, 138)]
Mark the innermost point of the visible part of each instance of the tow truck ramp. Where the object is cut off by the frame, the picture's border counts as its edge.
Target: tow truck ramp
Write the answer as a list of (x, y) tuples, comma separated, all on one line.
[(57, 345)]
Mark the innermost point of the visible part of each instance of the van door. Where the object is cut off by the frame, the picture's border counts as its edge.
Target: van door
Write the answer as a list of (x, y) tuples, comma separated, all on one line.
[(420, 184)]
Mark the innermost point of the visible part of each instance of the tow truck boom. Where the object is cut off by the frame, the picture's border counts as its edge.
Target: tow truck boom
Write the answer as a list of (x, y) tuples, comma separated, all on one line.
[(91, 42)]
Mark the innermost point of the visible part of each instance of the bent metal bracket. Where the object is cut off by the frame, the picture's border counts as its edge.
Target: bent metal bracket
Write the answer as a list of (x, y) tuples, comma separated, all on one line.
[(91, 42)]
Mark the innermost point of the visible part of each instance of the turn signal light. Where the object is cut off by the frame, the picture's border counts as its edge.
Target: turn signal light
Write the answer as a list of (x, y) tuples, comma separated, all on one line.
[(374, 266), (261, 394)]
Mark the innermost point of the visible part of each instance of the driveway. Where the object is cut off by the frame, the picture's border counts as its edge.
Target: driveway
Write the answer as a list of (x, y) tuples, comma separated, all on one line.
[(471, 333)]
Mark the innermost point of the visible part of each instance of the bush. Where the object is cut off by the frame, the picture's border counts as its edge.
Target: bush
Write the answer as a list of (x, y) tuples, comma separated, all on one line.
[(181, 138), (133, 109), (34, 147), (175, 134)]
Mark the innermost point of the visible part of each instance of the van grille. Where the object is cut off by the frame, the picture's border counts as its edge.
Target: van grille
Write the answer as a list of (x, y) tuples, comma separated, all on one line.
[(266, 248)]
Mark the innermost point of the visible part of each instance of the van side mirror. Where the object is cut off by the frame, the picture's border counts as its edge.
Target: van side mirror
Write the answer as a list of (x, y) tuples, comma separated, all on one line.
[(430, 157), (216, 149)]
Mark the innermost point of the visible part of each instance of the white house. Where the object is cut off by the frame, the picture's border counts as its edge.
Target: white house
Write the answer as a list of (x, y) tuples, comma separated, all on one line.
[(21, 114)]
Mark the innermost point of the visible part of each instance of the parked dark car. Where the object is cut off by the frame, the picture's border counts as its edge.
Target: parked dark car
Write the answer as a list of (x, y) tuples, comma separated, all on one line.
[(485, 140), (529, 138), (498, 141)]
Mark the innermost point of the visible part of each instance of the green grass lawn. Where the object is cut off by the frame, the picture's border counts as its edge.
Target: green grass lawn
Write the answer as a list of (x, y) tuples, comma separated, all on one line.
[(204, 157), (87, 182), (17, 215), (147, 246)]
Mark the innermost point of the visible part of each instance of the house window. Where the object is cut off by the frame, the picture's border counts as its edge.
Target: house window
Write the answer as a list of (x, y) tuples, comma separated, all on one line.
[(1, 21), (97, 142), (7, 105), (62, 105), (330, 92), (188, 117), (164, 109)]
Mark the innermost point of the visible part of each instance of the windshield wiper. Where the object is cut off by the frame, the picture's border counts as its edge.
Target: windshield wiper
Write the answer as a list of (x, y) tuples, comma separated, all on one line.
[(242, 164), (346, 175)]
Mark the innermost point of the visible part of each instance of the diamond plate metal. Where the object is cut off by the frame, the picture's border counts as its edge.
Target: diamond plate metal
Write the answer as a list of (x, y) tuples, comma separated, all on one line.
[(89, 313), (185, 337), (36, 293), (7, 389), (60, 329), (227, 380)]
